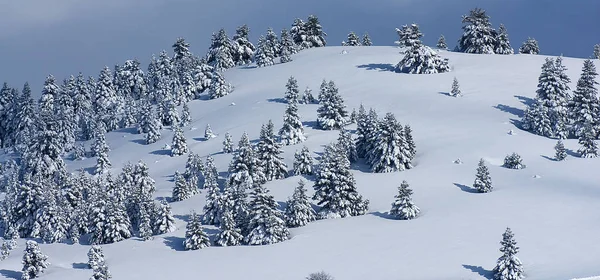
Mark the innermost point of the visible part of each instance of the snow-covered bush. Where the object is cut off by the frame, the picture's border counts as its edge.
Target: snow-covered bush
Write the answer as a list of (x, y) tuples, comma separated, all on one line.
[(530, 46), (514, 161), (322, 275)]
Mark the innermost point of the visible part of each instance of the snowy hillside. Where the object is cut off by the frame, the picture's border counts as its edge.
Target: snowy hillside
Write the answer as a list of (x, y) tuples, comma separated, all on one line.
[(552, 207)]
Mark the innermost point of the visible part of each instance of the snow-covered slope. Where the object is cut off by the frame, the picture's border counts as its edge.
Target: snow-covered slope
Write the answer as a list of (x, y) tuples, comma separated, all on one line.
[(554, 215)]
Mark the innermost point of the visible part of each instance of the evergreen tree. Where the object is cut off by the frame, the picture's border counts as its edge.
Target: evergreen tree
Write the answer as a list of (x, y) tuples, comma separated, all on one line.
[(315, 37), (180, 190), (298, 33), (34, 261), (347, 144), (179, 144), (353, 115), (332, 112), (228, 144), (24, 119), (292, 131), (145, 226), (244, 166), (508, 266), (49, 97), (265, 223), (292, 93), (264, 55), (455, 89), (418, 58), (502, 42), (366, 40), (221, 52), (441, 43), (589, 147), (361, 131), (287, 47), (272, 43), (243, 48), (514, 161), (95, 257), (106, 102), (101, 273), (268, 152), (229, 234), (308, 98), (167, 112), (478, 35), (403, 208), (195, 237), (299, 211), (134, 82), (154, 127), (584, 108), (130, 113), (352, 40), (218, 86), (101, 150), (561, 153), (410, 143), (208, 133), (483, 181), (530, 46), (52, 223), (335, 187), (186, 118), (109, 220), (597, 51), (213, 194), (389, 153), (164, 222), (303, 162), (409, 35), (145, 117)]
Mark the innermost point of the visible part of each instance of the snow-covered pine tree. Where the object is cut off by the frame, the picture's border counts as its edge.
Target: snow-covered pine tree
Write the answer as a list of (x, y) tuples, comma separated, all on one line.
[(332, 113), (180, 190), (221, 52), (361, 131), (168, 112), (49, 97), (95, 257), (298, 33), (366, 40), (129, 113), (321, 275), (353, 116), (315, 37), (455, 89), (441, 43), (483, 181), (244, 49), (478, 35), (268, 151), (303, 162), (409, 35), (299, 211), (514, 161), (218, 86), (229, 234), (291, 91), (195, 237), (308, 98), (24, 119), (352, 40), (101, 150), (272, 43), (347, 144), (34, 261), (179, 143), (107, 101), (186, 118), (263, 55), (154, 128), (292, 131), (410, 142), (508, 266), (561, 153), (389, 152), (101, 273), (502, 42), (52, 223), (418, 58), (530, 46), (403, 208), (228, 144), (145, 117), (163, 220), (584, 108), (589, 147), (287, 47), (237, 200), (208, 133), (335, 187), (265, 223), (145, 226), (243, 166), (597, 51), (213, 194)]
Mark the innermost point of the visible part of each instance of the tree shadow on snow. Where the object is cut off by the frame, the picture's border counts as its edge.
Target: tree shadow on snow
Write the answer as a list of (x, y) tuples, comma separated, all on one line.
[(130, 130), (138, 141), (90, 170), (509, 109), (444, 93), (548, 158), (10, 274), (277, 100), (384, 215), (465, 188), (525, 100), (488, 274), (174, 242), (311, 124), (361, 166), (80, 266), (381, 67), (572, 153), (161, 152), (185, 218)]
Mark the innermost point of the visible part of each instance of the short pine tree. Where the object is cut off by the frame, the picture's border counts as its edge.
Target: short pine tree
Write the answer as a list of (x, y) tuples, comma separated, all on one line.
[(299, 211), (292, 131), (186, 118), (410, 142), (229, 234), (597, 51), (180, 190), (291, 91), (95, 257), (332, 113), (483, 181), (287, 47), (584, 107), (441, 43), (455, 89), (389, 152), (227, 144), (101, 273), (195, 237), (303, 162), (208, 133), (502, 42), (265, 223), (154, 127), (34, 261), (268, 152), (352, 40), (589, 147), (322, 275), (561, 153), (347, 144), (366, 40), (163, 221), (308, 98), (179, 144), (478, 35), (403, 208), (530, 46), (218, 86), (213, 194), (508, 266), (514, 161)]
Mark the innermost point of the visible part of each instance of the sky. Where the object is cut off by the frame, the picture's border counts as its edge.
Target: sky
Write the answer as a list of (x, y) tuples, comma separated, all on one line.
[(65, 37)]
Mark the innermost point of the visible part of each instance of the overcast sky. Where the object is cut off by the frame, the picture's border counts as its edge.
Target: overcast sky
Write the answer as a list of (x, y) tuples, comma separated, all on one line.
[(64, 37)]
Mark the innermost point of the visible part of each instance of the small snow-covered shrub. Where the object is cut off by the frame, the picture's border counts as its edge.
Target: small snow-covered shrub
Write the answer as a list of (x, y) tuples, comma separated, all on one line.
[(319, 276), (514, 161)]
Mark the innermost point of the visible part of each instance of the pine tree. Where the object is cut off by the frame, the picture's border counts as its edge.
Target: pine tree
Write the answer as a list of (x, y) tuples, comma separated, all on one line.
[(218, 86), (291, 93), (315, 37), (213, 194), (561, 153), (502, 42), (101, 273), (441, 43), (24, 119), (195, 237), (389, 152), (403, 208), (410, 143), (264, 55), (299, 211), (145, 226), (244, 49), (287, 47), (163, 222), (208, 133), (268, 152), (292, 131), (244, 166), (418, 58), (95, 257), (229, 234), (237, 199), (221, 52), (101, 150), (322, 275), (265, 223), (180, 190), (478, 35), (332, 113), (366, 40), (597, 51), (52, 223), (298, 33), (514, 161), (130, 113), (589, 147), (179, 144), (352, 40), (361, 131), (308, 98), (228, 144), (409, 35), (303, 162), (168, 114), (508, 266), (455, 89), (584, 108), (186, 118), (154, 128), (353, 115), (483, 181), (272, 43), (335, 187), (49, 97), (347, 144), (34, 261), (530, 46), (106, 102)]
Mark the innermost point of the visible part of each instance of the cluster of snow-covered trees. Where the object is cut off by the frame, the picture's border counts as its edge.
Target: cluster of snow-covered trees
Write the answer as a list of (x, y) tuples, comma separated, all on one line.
[(418, 58), (353, 40)]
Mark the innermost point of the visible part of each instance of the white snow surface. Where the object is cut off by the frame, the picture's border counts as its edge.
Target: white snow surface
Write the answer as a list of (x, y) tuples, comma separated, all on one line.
[(555, 218)]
